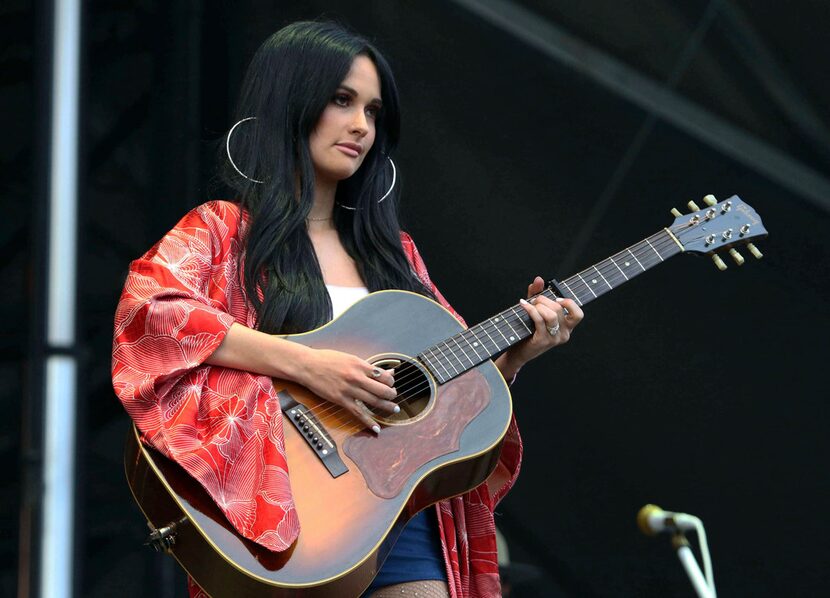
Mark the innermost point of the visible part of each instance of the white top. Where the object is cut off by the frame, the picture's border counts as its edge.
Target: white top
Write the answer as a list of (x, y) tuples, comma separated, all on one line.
[(342, 298)]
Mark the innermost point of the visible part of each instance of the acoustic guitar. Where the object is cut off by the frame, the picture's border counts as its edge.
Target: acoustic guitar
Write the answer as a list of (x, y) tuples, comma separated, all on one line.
[(354, 490)]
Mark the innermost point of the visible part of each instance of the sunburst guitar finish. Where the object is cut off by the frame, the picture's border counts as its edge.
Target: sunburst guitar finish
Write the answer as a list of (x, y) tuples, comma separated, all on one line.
[(445, 441)]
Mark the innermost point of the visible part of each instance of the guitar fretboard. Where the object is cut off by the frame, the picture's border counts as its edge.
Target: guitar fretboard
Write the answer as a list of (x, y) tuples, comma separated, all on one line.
[(467, 349)]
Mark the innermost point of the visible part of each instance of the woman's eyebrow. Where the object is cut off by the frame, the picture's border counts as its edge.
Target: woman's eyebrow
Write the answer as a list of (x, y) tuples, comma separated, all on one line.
[(354, 93)]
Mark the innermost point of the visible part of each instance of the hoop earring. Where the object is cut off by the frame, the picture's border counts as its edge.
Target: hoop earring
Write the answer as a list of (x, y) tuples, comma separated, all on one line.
[(228, 150), (388, 191)]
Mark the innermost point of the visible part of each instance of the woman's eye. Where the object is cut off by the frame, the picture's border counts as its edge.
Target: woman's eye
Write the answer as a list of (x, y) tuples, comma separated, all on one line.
[(372, 111), (341, 100)]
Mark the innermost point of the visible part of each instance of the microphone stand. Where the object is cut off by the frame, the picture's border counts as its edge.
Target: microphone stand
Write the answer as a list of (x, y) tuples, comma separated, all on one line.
[(687, 559)]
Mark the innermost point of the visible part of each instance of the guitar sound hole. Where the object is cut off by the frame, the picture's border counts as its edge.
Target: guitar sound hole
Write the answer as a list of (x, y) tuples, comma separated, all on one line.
[(415, 391)]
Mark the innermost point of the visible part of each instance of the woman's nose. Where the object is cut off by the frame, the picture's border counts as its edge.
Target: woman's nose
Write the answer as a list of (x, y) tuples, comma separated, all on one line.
[(359, 123)]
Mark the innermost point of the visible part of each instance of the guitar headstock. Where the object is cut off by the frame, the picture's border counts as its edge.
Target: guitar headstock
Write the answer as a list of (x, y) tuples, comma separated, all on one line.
[(722, 225)]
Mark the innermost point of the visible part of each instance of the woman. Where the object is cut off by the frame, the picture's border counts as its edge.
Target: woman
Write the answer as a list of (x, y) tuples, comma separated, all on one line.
[(314, 228)]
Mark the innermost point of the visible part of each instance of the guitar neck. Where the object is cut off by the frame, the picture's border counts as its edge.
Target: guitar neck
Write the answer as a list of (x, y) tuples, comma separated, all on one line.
[(457, 354)]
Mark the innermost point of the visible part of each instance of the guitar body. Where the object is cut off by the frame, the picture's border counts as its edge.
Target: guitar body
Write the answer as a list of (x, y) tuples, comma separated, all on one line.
[(443, 444)]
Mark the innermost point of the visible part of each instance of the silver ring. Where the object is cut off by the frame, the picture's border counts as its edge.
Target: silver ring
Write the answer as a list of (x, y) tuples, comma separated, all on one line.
[(554, 330), (376, 372)]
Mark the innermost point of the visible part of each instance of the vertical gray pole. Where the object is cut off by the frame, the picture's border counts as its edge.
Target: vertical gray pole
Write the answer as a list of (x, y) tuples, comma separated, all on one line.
[(60, 380)]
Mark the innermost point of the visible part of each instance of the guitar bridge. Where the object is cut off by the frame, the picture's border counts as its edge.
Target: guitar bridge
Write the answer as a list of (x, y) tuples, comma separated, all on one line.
[(314, 433)]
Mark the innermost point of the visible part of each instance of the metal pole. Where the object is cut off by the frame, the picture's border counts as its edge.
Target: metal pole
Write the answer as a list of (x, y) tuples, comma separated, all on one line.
[(57, 530)]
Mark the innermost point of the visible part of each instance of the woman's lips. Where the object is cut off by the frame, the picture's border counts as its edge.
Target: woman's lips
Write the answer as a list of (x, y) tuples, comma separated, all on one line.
[(349, 149)]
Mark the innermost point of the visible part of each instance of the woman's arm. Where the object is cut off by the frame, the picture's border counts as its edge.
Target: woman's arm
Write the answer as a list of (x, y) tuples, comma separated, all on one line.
[(340, 378)]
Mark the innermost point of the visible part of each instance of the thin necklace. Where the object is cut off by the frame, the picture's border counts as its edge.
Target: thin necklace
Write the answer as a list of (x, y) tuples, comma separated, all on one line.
[(319, 219)]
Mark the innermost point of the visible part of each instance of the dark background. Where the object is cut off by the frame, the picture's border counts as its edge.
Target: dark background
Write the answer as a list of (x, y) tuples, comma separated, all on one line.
[(699, 390)]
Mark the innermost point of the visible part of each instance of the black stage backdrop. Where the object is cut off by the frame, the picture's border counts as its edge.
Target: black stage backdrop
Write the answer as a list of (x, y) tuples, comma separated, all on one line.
[(698, 390)]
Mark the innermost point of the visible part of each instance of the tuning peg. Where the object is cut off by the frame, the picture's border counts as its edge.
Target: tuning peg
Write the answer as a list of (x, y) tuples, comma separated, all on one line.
[(693, 206), (739, 259), (676, 213), (718, 262), (710, 200), (754, 251)]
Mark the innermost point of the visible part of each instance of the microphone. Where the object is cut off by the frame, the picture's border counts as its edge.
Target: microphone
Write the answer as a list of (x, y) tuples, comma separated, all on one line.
[(652, 520)]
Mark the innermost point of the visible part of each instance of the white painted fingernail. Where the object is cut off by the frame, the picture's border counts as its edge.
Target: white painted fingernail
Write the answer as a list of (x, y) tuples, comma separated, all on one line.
[(376, 429), (522, 301), (397, 409)]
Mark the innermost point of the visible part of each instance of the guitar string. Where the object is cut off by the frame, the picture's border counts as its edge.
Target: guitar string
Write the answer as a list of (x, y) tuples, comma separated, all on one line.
[(511, 317), (335, 409), (406, 396), (522, 318), (646, 256), (607, 269), (332, 408), (645, 248)]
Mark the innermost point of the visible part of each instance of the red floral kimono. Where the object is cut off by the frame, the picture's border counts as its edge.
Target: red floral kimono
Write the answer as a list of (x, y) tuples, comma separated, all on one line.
[(223, 425)]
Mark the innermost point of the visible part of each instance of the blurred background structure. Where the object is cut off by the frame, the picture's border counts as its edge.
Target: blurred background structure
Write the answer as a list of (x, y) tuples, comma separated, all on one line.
[(539, 137)]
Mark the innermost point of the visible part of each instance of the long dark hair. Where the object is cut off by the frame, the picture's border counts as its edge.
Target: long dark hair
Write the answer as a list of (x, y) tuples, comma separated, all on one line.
[(290, 81)]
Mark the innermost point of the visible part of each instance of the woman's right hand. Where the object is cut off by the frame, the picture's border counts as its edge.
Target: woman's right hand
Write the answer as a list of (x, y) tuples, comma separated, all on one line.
[(346, 380), (349, 381)]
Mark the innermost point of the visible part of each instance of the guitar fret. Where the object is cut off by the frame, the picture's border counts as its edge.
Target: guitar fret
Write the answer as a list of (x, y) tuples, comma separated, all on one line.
[(494, 320), (444, 357), (463, 351), (491, 338), (618, 268), (587, 285), (655, 251), (603, 278), (636, 260), (443, 361), (520, 316), (574, 295), (473, 344), (509, 325), (453, 357), (437, 360)]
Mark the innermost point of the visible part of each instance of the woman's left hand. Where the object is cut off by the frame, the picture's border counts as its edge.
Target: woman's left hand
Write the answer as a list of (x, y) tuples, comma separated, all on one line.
[(554, 322)]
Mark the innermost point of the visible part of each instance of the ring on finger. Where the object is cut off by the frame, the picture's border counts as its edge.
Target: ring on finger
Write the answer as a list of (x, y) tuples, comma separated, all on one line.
[(376, 372), (554, 330)]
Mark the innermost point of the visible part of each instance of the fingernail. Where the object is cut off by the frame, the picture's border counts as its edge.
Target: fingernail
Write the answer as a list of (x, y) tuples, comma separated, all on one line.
[(523, 302), (376, 429), (559, 300), (396, 409)]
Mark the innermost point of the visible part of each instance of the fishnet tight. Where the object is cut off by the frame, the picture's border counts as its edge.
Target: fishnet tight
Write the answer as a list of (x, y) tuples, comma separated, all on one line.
[(414, 589)]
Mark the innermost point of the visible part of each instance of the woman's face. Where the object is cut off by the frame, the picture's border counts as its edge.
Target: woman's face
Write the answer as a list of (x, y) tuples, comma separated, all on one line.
[(346, 129)]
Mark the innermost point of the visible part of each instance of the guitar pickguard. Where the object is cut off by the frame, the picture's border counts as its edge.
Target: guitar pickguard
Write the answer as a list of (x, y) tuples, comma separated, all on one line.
[(387, 466)]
